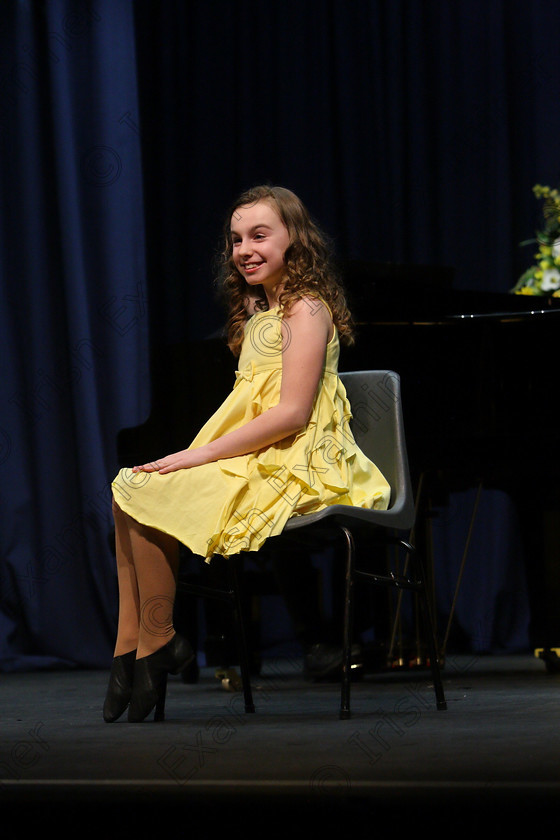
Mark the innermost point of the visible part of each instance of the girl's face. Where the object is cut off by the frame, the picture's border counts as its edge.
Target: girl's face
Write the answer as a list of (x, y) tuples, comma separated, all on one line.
[(260, 240)]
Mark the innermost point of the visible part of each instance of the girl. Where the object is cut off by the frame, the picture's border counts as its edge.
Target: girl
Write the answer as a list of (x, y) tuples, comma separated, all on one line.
[(279, 446)]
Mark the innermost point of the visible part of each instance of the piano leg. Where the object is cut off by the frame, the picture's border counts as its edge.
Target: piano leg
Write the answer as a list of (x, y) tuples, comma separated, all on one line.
[(542, 549)]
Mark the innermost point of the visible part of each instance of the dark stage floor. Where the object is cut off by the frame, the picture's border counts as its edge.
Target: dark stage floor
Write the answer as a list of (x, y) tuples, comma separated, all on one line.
[(494, 753)]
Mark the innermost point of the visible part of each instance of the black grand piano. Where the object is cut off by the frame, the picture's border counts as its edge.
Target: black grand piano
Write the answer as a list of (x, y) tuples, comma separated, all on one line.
[(478, 377)]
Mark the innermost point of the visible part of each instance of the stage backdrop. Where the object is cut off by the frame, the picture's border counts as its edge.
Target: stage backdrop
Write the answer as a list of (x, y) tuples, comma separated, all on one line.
[(413, 129)]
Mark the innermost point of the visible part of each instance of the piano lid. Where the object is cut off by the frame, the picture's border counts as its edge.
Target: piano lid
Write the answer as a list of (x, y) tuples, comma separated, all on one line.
[(392, 293)]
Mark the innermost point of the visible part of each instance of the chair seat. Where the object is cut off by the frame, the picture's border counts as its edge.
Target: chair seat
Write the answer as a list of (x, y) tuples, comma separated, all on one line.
[(397, 517)]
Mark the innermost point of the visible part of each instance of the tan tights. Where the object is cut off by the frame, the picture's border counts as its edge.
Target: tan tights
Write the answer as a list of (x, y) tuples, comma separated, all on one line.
[(147, 564)]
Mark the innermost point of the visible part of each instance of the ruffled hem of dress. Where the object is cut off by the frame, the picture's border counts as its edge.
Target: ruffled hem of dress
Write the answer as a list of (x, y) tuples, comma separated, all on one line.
[(320, 460)]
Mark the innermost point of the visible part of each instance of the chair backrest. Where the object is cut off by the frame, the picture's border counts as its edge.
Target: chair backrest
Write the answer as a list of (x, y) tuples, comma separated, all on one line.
[(378, 427)]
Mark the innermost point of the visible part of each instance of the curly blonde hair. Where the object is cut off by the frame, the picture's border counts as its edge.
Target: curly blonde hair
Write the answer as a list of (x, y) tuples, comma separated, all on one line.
[(309, 268)]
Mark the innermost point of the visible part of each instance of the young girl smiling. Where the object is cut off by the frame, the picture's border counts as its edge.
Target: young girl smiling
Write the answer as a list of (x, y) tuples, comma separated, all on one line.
[(280, 445)]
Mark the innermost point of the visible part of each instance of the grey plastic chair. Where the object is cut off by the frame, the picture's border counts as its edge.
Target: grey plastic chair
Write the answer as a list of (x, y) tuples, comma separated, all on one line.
[(377, 426)]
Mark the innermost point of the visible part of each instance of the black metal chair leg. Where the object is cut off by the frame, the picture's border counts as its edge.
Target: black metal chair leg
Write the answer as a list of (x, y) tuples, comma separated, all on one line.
[(418, 584), (431, 639), (241, 639), (348, 627)]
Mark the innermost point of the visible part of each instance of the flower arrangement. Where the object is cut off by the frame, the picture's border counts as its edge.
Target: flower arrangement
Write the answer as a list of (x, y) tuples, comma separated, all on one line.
[(543, 278)]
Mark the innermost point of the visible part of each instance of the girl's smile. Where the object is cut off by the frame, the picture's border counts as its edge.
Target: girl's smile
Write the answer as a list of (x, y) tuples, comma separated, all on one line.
[(250, 268)]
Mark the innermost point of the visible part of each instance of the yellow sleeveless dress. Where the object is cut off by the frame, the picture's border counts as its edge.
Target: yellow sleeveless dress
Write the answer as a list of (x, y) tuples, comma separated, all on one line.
[(235, 504)]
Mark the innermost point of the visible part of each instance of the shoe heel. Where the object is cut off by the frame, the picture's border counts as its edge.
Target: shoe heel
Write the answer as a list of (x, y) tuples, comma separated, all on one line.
[(159, 713)]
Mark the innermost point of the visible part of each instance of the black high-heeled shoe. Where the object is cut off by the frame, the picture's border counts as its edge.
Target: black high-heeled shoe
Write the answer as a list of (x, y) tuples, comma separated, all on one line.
[(150, 678), (119, 689)]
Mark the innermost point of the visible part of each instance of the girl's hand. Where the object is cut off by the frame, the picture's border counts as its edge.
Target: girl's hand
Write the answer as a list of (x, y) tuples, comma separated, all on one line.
[(182, 460)]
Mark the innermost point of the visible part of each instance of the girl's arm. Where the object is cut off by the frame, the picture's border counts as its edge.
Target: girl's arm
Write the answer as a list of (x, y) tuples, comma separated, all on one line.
[(306, 333)]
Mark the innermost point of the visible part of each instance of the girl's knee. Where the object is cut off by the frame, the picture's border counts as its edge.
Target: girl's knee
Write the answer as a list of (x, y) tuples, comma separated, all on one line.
[(117, 511)]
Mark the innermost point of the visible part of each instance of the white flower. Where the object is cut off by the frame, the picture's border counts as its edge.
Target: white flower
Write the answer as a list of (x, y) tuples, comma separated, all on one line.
[(550, 280)]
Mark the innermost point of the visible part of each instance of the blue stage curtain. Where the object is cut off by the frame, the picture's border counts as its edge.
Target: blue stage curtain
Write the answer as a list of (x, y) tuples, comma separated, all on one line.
[(74, 321)]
